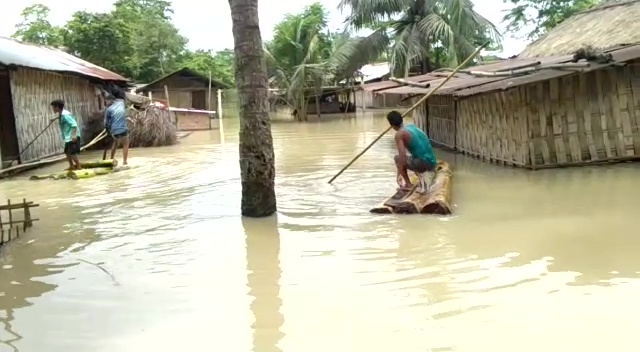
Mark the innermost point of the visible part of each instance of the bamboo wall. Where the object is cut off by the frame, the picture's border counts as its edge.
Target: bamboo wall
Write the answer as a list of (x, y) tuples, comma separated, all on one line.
[(420, 115), (578, 119), (372, 100), (441, 112), (33, 91), (494, 127), (184, 98)]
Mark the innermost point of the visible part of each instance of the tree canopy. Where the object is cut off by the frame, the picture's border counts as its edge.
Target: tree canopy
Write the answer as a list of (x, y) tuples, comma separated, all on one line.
[(542, 15), (143, 44)]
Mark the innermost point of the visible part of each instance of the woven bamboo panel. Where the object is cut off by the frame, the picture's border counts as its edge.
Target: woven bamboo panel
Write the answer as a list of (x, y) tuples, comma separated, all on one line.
[(177, 98), (573, 120), (590, 117), (420, 115), (442, 120), (33, 91), (494, 127)]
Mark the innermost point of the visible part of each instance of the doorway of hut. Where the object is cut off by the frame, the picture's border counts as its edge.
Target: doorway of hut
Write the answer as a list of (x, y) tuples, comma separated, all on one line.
[(199, 100), (8, 137)]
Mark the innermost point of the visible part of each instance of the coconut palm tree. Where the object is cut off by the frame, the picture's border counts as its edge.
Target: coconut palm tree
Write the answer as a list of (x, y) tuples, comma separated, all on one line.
[(257, 169), (417, 28), (303, 56)]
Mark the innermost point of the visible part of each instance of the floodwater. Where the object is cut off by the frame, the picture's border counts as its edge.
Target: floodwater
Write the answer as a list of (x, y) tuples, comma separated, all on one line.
[(157, 258)]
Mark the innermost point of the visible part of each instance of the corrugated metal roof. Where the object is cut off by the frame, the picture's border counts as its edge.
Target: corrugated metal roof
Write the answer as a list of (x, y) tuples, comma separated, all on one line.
[(467, 85), (13, 52), (377, 86), (452, 85), (619, 55)]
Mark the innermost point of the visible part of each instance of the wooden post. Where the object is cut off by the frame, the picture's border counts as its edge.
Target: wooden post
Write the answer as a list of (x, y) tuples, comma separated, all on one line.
[(166, 95), (362, 92), (209, 97), (150, 95), (219, 104)]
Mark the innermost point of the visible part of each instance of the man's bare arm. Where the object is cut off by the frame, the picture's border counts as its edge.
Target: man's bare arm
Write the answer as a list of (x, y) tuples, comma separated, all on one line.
[(402, 150)]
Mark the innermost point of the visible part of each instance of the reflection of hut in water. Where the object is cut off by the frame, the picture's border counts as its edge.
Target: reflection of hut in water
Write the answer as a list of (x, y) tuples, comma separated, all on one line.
[(263, 279)]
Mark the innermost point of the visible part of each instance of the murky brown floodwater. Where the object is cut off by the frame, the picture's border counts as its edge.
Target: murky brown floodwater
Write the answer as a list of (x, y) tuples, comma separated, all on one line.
[(544, 261)]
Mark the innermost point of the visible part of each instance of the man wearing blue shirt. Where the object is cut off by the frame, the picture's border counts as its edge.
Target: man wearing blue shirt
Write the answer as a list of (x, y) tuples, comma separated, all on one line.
[(70, 133), (115, 121)]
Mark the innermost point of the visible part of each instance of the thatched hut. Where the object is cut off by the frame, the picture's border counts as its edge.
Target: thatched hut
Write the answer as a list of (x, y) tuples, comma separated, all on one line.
[(31, 76), (572, 98), (187, 89)]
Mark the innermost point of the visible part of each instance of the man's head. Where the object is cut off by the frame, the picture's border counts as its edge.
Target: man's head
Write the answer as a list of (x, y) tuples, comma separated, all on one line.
[(395, 120), (57, 106), (118, 93)]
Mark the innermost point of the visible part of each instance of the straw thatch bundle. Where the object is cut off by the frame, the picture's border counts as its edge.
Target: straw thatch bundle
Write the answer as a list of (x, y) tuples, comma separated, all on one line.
[(148, 127), (612, 23), (151, 127)]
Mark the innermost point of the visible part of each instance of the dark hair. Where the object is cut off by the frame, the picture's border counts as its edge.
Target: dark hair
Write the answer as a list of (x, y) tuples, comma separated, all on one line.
[(58, 103), (118, 94), (394, 118)]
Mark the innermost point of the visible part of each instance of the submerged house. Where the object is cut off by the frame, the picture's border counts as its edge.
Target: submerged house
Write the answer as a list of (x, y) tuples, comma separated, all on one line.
[(31, 76), (570, 98), (193, 98)]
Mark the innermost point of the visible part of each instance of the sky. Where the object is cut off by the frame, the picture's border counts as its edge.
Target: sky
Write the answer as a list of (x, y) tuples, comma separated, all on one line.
[(207, 24)]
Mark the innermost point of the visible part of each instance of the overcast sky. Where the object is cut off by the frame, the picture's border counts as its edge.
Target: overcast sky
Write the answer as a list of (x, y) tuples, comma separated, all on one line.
[(207, 24)]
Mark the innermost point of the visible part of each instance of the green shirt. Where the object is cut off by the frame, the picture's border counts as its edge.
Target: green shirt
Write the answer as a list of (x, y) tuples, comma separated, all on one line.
[(419, 146), (67, 124)]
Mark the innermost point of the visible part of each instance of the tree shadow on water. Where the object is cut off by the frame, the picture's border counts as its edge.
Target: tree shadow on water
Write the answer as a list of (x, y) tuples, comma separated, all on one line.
[(263, 279)]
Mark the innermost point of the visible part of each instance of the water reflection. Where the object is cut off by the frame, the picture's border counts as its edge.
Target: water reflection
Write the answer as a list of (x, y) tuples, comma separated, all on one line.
[(528, 258), (263, 279)]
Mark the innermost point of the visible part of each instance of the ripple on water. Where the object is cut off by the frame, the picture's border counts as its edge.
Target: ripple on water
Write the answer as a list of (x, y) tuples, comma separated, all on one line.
[(126, 262)]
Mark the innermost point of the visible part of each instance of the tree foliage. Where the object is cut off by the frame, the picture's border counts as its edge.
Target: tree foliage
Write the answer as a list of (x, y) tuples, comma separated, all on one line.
[(422, 31), (542, 15), (35, 27), (136, 39), (304, 56)]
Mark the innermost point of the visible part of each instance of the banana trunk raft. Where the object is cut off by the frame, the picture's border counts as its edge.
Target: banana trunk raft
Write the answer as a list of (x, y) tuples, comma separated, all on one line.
[(436, 201), (88, 169)]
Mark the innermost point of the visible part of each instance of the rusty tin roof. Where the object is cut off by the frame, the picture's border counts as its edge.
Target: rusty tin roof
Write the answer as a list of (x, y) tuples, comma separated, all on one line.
[(13, 52)]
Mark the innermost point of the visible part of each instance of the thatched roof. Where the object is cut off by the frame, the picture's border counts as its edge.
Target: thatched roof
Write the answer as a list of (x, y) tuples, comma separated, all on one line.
[(609, 24)]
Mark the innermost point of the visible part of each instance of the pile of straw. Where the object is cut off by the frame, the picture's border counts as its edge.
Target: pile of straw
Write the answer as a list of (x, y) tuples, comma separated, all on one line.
[(151, 127)]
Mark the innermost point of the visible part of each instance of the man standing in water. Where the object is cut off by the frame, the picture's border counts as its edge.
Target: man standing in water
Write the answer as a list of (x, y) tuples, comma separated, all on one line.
[(70, 133), (115, 121), (409, 138)]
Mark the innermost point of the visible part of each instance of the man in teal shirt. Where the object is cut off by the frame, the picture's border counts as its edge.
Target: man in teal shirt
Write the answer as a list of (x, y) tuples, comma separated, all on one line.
[(70, 133), (411, 139)]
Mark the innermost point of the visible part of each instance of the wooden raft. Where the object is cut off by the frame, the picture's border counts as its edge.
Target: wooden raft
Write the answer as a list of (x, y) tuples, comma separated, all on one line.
[(12, 224), (436, 201), (89, 169)]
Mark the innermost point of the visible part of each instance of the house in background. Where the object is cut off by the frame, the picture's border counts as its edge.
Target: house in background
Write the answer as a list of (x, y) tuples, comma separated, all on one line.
[(543, 109), (31, 76), (189, 97)]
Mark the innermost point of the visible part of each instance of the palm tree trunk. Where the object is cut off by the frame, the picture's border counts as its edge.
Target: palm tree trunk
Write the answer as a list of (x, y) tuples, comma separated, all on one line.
[(257, 169)]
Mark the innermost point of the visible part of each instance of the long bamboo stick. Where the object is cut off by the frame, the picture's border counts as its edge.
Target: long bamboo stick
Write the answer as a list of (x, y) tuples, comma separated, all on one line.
[(422, 100)]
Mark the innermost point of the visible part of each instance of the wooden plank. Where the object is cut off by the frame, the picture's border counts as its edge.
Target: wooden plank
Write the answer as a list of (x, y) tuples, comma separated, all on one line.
[(586, 116), (395, 199), (606, 139)]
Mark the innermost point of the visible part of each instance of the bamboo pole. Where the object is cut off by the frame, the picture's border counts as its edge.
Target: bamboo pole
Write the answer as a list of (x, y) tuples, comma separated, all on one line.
[(422, 100)]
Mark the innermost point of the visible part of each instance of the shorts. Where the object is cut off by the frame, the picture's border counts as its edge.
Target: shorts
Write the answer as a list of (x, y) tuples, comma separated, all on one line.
[(121, 135), (73, 148), (418, 164)]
